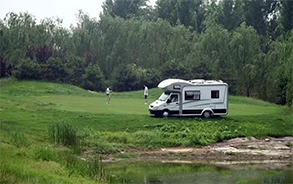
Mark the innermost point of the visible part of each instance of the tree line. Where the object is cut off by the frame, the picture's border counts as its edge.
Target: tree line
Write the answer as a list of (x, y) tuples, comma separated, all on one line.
[(246, 43)]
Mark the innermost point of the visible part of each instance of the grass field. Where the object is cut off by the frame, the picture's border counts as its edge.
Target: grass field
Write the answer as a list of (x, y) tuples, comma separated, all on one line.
[(55, 133)]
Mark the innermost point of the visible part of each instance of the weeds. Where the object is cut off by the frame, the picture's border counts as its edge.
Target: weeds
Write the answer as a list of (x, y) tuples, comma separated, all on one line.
[(46, 154), (289, 144), (125, 155), (18, 138), (91, 167), (63, 134)]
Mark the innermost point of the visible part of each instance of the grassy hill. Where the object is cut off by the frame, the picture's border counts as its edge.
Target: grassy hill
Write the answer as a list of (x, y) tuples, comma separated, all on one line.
[(46, 128)]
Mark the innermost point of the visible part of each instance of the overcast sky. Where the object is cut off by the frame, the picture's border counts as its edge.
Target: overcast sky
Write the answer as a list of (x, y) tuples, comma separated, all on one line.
[(64, 9)]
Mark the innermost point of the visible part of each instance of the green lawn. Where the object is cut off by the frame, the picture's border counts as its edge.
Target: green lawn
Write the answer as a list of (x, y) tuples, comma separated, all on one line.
[(30, 111), (134, 106)]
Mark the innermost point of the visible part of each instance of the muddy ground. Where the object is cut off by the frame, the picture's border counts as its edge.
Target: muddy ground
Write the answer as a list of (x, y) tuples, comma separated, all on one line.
[(271, 151)]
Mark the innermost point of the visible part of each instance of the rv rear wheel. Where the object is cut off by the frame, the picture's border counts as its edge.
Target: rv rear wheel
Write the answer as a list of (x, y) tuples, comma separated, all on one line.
[(207, 114), (165, 114)]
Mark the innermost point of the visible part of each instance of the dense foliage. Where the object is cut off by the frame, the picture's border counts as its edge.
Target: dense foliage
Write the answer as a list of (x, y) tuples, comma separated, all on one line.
[(246, 43)]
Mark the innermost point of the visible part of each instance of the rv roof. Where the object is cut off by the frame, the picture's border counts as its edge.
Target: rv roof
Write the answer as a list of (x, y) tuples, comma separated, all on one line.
[(168, 82), (202, 81)]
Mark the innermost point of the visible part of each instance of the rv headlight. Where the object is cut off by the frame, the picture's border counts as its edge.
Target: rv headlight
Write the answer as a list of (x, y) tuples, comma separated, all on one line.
[(155, 108)]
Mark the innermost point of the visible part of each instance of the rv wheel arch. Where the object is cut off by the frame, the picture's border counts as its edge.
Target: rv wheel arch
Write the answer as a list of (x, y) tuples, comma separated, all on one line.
[(165, 113), (207, 114)]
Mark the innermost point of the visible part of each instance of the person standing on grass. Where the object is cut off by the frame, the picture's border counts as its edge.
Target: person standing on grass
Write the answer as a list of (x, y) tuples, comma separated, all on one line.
[(145, 92), (108, 91)]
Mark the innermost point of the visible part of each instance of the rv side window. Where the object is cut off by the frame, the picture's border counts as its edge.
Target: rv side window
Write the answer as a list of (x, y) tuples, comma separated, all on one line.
[(215, 94), (192, 95)]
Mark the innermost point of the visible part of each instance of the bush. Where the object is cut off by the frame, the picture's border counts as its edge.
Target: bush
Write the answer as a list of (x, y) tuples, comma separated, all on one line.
[(54, 70), (27, 69)]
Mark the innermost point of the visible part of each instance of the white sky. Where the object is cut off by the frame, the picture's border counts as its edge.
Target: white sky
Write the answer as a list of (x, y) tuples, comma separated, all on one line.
[(64, 9)]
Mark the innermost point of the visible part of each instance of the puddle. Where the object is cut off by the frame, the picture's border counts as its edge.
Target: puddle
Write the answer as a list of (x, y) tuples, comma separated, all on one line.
[(175, 172)]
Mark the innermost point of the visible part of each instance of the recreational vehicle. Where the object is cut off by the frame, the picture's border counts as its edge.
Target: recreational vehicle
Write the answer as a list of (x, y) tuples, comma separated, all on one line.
[(191, 98)]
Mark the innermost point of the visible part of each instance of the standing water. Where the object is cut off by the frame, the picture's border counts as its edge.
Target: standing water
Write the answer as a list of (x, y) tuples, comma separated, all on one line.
[(187, 173)]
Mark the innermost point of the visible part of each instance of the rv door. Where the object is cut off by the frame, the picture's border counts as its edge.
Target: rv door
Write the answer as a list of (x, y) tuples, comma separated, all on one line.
[(173, 104)]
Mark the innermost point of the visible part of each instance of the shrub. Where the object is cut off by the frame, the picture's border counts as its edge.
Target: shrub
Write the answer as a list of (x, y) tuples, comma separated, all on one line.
[(27, 69), (54, 70)]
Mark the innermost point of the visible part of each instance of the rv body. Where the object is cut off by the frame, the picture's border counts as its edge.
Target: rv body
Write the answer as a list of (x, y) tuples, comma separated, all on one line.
[(191, 98)]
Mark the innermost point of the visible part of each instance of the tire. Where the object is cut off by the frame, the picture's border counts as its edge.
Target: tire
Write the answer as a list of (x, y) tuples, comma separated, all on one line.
[(165, 114), (158, 115), (207, 114)]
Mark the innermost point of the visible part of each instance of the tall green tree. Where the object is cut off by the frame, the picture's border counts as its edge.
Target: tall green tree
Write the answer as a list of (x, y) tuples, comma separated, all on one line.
[(16, 33), (2, 67), (93, 78), (124, 8), (246, 53), (231, 14), (260, 14), (286, 53), (286, 15), (271, 86), (210, 57), (186, 12)]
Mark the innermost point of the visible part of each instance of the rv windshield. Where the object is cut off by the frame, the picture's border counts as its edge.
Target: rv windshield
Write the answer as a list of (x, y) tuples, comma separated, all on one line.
[(164, 96)]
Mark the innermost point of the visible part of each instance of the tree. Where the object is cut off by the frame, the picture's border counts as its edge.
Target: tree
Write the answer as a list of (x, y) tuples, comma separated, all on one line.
[(260, 14), (93, 78), (201, 71), (286, 14), (173, 69), (270, 88), (231, 14), (2, 67), (124, 78), (287, 58), (43, 53), (211, 53), (76, 69), (245, 51), (16, 33), (186, 12), (124, 8)]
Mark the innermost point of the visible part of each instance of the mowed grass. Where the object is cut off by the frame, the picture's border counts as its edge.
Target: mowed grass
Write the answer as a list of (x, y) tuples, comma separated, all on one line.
[(34, 105), (97, 105), (30, 109), (133, 106)]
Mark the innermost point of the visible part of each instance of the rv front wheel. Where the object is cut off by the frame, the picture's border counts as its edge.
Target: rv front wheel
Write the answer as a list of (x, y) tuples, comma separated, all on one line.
[(207, 114), (165, 114)]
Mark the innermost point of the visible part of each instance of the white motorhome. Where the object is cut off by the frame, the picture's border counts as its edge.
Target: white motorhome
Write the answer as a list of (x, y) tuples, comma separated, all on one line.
[(191, 98)]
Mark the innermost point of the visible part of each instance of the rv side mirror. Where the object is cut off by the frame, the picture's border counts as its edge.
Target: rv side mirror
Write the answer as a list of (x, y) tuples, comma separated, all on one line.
[(169, 100)]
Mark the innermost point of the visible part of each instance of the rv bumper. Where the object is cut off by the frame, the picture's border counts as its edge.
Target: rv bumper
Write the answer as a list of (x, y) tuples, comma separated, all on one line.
[(155, 112)]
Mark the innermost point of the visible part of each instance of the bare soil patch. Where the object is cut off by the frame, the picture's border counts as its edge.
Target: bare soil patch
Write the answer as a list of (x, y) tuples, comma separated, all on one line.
[(238, 150)]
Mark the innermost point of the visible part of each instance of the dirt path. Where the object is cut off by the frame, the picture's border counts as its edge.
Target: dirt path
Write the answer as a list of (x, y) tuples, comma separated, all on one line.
[(238, 150)]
